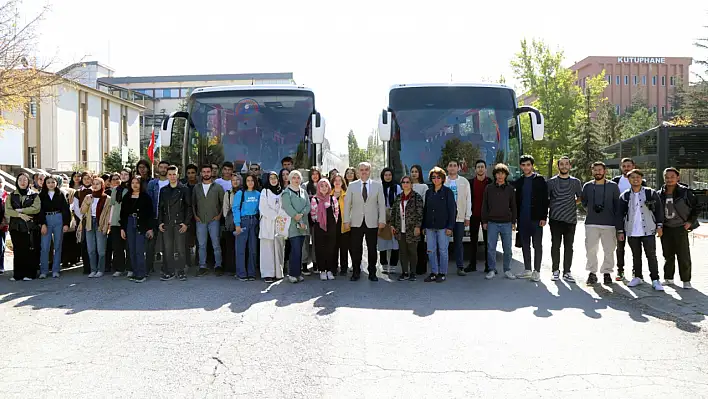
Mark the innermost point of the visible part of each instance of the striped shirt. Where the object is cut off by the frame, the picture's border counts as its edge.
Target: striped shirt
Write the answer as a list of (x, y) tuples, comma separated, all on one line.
[(562, 193)]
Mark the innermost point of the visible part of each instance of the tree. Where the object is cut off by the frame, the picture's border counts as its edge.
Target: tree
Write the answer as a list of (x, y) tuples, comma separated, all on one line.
[(553, 89), (459, 151), (608, 124), (356, 154), (636, 120), (24, 77), (587, 143), (113, 162)]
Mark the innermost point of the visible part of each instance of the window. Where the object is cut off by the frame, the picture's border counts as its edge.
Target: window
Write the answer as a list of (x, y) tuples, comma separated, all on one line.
[(617, 80), (672, 80), (184, 92), (663, 111), (644, 80), (663, 80), (626, 80), (33, 108), (653, 80), (166, 93), (609, 79), (32, 155), (636, 79), (617, 109), (653, 109), (124, 125)]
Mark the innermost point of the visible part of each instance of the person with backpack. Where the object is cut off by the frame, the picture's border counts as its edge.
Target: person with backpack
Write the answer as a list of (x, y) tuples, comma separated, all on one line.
[(622, 181), (245, 210), (680, 217), (643, 218)]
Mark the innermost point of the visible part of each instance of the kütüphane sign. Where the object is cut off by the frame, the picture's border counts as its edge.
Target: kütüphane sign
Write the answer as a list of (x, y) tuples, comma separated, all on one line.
[(641, 60)]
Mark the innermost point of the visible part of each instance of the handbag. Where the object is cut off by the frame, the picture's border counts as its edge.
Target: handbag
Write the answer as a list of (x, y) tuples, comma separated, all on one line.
[(282, 221)]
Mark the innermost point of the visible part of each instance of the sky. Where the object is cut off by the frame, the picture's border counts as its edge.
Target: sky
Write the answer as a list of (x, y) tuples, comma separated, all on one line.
[(351, 53)]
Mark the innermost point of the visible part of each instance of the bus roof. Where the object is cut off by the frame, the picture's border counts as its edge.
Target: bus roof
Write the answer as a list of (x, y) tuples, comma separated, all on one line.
[(216, 89), (451, 84)]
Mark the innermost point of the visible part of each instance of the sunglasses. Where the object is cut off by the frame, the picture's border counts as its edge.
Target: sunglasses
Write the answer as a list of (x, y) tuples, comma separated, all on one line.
[(406, 182)]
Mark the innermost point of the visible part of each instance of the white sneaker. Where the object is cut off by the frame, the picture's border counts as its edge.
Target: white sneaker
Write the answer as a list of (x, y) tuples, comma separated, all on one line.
[(117, 274), (524, 274), (490, 275), (323, 276), (535, 276), (657, 285), (130, 274), (99, 274), (42, 276), (292, 279), (55, 275), (635, 282), (668, 282), (12, 279), (687, 285), (330, 276), (26, 279), (92, 275), (556, 275), (510, 275)]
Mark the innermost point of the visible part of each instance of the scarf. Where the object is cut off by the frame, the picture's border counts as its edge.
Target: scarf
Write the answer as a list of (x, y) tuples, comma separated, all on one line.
[(22, 191), (323, 202), (277, 189), (389, 188), (101, 202), (405, 198)]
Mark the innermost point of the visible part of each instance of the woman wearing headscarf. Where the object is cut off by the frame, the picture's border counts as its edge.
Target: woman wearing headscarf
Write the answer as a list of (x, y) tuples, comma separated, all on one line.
[(96, 223), (296, 204), (386, 240), (308, 252), (272, 245), (324, 212), (75, 206), (21, 208)]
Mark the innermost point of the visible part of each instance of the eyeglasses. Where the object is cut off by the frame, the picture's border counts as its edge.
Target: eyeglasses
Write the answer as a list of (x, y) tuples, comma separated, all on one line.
[(254, 169), (406, 182), (437, 178)]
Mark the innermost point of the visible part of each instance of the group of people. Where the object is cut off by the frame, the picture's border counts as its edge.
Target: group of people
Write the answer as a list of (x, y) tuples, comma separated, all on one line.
[(274, 225)]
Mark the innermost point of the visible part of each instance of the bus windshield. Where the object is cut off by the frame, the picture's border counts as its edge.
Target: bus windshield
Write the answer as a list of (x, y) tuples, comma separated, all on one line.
[(434, 125), (250, 127)]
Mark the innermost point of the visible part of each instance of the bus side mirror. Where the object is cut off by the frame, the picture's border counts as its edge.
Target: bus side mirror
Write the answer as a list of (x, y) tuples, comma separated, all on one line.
[(168, 126), (385, 126), (318, 128), (536, 119)]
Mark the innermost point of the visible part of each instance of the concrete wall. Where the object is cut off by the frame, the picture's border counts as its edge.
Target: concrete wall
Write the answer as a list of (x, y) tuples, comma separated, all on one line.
[(114, 129), (94, 134), (67, 123), (134, 130), (48, 128)]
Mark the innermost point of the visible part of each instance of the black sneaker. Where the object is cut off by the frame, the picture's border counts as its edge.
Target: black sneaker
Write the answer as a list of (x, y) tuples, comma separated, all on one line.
[(219, 271), (607, 279), (384, 269), (620, 276), (412, 277), (242, 278), (441, 278), (471, 268), (250, 278), (182, 277), (139, 279), (203, 271), (430, 278), (269, 280), (592, 279), (343, 272), (167, 277), (403, 276)]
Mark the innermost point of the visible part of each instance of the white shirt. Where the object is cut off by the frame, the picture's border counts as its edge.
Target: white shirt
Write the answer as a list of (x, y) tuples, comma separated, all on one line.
[(624, 184), (161, 184), (403, 216), (638, 226), (94, 204), (368, 186), (206, 186), (51, 194), (225, 184)]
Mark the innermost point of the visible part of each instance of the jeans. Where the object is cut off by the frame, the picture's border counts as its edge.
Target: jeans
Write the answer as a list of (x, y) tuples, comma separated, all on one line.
[(562, 232), (248, 237), (437, 242), (649, 244), (136, 248), (55, 225), (458, 233), (674, 244), (494, 230), (535, 237), (205, 231), (295, 269), (96, 245)]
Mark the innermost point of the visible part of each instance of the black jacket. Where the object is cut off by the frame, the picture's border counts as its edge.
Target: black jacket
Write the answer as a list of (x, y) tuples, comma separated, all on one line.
[(175, 206), (141, 207), (56, 204), (539, 197), (683, 194)]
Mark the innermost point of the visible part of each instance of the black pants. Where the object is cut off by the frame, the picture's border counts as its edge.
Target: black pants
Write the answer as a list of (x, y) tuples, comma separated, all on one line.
[(562, 232), (475, 224), (535, 237), (173, 256), (118, 247), (108, 266), (228, 251), (357, 249), (26, 262), (86, 262), (343, 242), (674, 244), (326, 248), (394, 257), (150, 249), (649, 244), (422, 264), (409, 254), (620, 256)]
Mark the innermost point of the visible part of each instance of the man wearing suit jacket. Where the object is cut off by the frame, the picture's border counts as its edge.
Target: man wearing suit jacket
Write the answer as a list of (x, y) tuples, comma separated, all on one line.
[(365, 213)]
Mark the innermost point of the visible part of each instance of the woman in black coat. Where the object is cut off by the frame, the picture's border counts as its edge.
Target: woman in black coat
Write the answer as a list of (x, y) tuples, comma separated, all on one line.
[(54, 219), (136, 223)]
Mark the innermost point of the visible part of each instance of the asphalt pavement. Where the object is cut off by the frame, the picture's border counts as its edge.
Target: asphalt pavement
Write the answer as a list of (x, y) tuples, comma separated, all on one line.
[(216, 337)]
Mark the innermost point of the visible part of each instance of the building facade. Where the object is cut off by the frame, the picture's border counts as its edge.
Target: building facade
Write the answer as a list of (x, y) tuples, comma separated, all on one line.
[(652, 80)]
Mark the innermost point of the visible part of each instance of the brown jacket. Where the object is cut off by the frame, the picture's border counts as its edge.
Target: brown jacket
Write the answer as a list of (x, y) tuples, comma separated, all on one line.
[(414, 217), (104, 219)]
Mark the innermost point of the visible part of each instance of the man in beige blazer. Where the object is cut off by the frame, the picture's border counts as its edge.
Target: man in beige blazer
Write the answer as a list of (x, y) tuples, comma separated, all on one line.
[(365, 212)]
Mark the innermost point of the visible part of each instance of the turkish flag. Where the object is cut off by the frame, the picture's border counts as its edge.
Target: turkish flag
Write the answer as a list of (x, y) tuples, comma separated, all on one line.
[(151, 147)]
